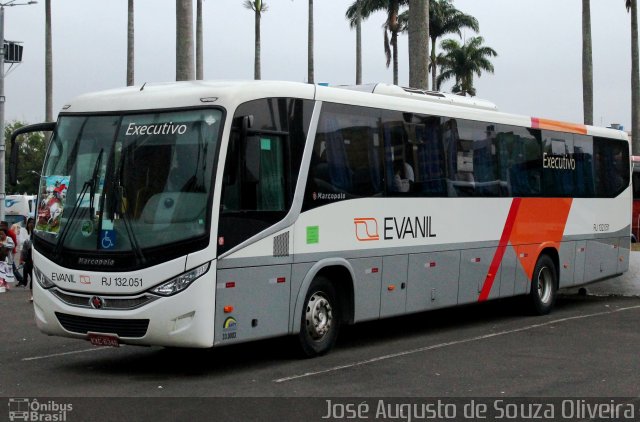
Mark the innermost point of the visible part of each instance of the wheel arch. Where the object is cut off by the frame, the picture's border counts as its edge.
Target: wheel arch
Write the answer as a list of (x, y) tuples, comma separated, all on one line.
[(341, 275), (552, 253)]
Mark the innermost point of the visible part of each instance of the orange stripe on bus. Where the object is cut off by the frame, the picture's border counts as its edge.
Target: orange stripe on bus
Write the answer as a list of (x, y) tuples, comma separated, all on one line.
[(532, 225), (537, 123), (502, 247), (540, 223)]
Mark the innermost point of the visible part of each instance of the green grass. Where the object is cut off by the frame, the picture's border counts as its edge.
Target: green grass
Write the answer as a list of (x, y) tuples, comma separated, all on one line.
[(635, 246)]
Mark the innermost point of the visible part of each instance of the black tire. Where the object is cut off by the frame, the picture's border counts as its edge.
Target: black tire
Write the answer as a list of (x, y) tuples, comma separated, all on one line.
[(320, 320), (544, 286)]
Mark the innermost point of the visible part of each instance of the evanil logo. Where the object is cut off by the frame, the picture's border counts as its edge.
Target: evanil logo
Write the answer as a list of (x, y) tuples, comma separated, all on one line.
[(394, 228), (366, 229)]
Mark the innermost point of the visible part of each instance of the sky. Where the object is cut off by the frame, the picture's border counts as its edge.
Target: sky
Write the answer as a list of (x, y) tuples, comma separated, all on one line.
[(537, 71)]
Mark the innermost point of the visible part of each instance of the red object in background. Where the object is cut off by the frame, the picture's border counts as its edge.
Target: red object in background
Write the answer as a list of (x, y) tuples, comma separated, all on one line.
[(635, 213)]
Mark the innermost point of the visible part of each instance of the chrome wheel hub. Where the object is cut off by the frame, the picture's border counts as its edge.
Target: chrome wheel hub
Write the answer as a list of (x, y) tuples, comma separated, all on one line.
[(319, 316)]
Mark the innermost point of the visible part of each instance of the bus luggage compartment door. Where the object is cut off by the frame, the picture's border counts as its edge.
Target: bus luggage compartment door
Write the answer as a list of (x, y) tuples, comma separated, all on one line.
[(252, 303), (393, 295), (433, 280)]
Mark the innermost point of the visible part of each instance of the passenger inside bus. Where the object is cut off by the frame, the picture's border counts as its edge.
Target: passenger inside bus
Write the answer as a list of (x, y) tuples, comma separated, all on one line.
[(403, 176)]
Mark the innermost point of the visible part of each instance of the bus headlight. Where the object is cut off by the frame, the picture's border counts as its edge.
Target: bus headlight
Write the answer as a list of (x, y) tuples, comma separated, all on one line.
[(180, 282), (42, 279)]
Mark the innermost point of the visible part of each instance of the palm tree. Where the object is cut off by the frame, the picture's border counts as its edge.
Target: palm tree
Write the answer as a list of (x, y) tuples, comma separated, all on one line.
[(587, 64), (366, 8), (184, 40), (356, 22), (632, 6), (461, 62), (444, 19), (48, 72), (418, 22), (199, 45), (130, 44), (258, 7)]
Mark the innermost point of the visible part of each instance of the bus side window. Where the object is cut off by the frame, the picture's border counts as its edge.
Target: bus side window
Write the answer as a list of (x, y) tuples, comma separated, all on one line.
[(520, 160), (346, 160), (611, 166), (265, 172)]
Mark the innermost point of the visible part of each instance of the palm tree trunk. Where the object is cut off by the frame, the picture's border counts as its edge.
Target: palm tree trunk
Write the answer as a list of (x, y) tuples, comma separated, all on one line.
[(48, 72), (587, 64), (310, 70), (199, 45), (184, 40), (394, 49), (635, 79), (256, 61), (394, 27), (130, 44), (419, 43), (434, 65), (359, 49)]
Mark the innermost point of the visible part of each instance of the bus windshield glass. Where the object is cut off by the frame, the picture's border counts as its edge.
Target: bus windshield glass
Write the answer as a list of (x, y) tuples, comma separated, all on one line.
[(126, 183)]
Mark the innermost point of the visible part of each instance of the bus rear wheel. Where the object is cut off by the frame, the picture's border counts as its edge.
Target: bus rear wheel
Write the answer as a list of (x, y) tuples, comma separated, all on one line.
[(320, 319), (544, 285)]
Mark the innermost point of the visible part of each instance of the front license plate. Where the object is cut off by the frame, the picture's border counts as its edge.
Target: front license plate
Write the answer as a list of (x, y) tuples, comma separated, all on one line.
[(104, 340)]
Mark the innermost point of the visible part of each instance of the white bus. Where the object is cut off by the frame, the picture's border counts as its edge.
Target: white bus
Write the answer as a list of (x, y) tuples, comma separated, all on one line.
[(200, 214), (19, 208)]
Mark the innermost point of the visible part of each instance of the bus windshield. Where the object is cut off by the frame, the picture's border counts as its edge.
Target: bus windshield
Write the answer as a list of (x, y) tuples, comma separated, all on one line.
[(126, 183)]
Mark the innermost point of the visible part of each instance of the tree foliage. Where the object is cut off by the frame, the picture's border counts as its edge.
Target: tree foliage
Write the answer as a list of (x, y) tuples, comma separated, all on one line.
[(31, 150), (461, 62), (391, 26)]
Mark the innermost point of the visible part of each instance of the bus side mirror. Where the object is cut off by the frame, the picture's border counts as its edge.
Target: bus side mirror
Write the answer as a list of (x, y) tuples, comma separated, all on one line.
[(13, 159), (247, 123)]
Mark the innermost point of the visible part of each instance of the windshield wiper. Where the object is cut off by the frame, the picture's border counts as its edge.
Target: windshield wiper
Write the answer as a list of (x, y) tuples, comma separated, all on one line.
[(89, 185), (122, 210)]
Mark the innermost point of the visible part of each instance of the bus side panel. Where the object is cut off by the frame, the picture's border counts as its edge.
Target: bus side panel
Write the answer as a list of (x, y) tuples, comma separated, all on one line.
[(368, 273), (433, 280), (508, 273), (393, 296), (522, 280), (580, 260), (474, 267), (567, 264), (623, 254), (602, 258), (252, 303)]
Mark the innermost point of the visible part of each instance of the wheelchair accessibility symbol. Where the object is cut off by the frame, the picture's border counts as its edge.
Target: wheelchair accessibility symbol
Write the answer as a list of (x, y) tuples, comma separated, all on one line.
[(107, 239)]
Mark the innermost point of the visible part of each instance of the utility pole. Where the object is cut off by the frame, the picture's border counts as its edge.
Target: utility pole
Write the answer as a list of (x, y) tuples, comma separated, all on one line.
[(2, 101)]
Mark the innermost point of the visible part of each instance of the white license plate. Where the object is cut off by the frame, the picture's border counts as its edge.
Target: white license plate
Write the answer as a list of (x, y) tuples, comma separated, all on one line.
[(104, 340)]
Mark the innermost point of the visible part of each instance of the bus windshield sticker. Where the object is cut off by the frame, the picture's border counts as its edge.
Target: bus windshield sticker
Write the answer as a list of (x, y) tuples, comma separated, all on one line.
[(107, 235), (51, 207), (313, 235), (87, 228)]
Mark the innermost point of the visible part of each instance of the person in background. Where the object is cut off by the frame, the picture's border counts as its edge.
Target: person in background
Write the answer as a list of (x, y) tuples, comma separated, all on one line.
[(21, 236), (27, 257), (6, 272), (5, 226)]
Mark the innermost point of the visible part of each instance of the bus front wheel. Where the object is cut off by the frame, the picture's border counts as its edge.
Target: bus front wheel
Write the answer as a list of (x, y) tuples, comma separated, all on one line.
[(320, 319), (544, 285)]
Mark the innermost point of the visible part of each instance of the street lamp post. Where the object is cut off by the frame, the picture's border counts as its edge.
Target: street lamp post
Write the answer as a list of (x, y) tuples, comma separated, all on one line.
[(2, 101)]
